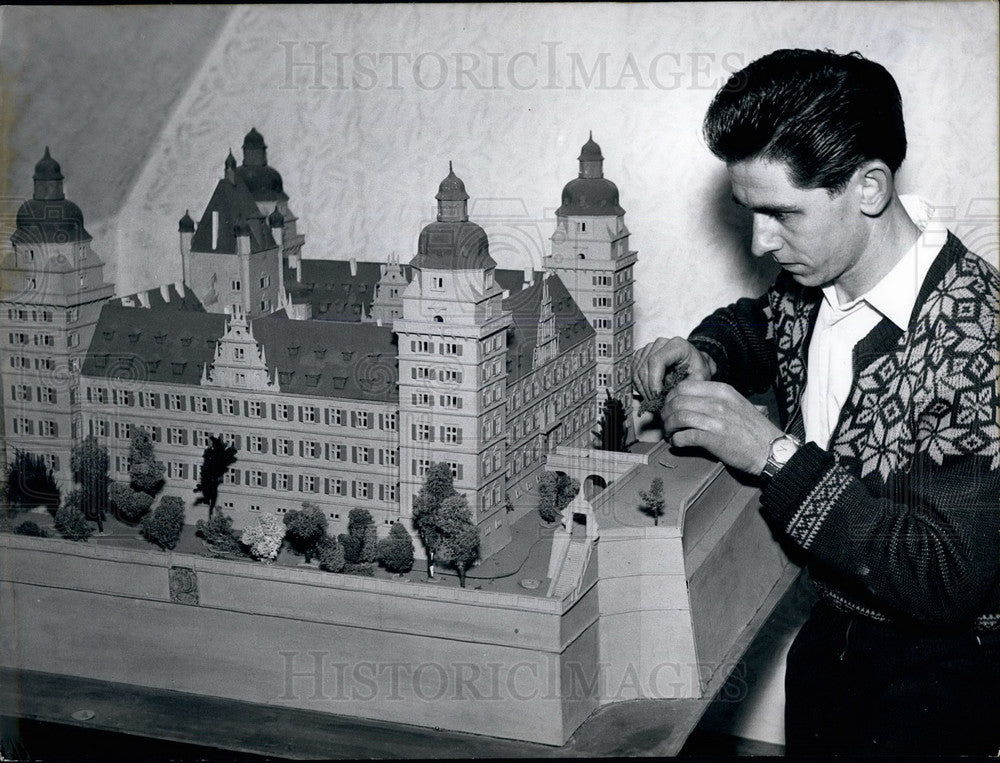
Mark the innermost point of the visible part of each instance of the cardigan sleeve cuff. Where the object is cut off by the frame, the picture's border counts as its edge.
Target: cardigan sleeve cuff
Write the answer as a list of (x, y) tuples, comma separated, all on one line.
[(785, 493)]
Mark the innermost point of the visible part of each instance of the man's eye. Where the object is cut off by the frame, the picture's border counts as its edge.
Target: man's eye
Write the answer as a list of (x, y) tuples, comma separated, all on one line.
[(780, 216)]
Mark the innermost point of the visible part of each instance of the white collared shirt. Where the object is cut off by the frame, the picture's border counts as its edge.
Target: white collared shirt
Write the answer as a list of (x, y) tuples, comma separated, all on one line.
[(841, 326)]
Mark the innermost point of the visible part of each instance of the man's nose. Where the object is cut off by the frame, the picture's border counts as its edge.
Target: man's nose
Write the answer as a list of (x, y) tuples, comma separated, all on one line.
[(765, 237)]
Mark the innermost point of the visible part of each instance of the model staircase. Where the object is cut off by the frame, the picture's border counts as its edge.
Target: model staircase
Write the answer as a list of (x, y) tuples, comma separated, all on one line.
[(572, 568)]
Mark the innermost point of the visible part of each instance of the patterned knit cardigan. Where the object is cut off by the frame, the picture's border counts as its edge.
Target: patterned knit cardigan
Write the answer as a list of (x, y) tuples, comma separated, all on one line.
[(899, 520)]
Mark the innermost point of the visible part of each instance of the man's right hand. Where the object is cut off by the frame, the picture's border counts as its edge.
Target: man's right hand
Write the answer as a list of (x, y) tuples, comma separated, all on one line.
[(652, 362)]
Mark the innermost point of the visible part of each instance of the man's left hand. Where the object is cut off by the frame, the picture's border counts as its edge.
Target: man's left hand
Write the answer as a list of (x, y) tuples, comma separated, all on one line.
[(714, 416)]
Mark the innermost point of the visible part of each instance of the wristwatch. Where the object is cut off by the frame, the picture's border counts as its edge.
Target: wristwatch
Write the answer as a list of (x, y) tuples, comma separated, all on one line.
[(779, 453)]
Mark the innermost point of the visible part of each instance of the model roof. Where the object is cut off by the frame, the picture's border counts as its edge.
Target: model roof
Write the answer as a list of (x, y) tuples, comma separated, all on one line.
[(357, 361), (572, 326), (166, 337), (234, 204), (49, 217)]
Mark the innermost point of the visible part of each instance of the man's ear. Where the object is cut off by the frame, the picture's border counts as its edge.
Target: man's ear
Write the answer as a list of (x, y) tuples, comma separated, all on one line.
[(876, 187)]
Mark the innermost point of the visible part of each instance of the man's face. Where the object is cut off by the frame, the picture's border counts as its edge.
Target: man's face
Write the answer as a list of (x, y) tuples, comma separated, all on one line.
[(817, 238)]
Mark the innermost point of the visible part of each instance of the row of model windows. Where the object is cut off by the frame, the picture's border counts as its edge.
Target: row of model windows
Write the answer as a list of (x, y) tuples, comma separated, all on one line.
[(444, 348), (281, 481), (605, 279), (24, 426), (419, 467), (278, 446), (40, 364), (22, 338), (23, 393), (450, 435), (426, 400), (529, 388), (254, 409), (624, 344), (23, 314), (449, 375)]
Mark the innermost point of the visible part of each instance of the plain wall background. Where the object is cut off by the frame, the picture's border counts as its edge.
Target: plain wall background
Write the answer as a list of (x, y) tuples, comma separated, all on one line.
[(362, 153)]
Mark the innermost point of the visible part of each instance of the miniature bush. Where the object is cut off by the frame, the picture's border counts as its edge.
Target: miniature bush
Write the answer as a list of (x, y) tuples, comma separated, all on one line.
[(127, 504), (163, 527), (305, 528), (365, 570), (264, 537), (330, 554), (555, 491), (30, 528), (395, 553), (70, 522), (29, 483), (219, 535), (360, 541), (145, 472)]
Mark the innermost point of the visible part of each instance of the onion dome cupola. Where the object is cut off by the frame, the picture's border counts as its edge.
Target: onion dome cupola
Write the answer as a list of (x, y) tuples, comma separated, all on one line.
[(453, 243), (230, 168), (264, 182), (453, 201), (48, 179), (186, 224), (590, 194), (276, 219), (241, 228), (49, 217), (254, 149)]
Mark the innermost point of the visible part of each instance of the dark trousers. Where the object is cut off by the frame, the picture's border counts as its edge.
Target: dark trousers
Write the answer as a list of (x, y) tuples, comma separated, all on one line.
[(855, 686)]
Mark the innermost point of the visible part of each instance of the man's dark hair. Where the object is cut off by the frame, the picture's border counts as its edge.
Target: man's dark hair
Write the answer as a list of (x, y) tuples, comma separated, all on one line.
[(821, 113)]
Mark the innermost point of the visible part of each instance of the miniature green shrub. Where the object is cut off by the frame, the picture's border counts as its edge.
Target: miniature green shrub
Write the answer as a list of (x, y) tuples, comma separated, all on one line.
[(264, 537), (395, 553), (127, 504), (71, 523), (330, 554), (304, 528), (219, 535), (163, 527), (31, 529)]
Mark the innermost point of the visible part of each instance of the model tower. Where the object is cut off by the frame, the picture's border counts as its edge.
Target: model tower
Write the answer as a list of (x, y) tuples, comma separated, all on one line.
[(231, 259), (590, 253), (53, 289), (452, 364)]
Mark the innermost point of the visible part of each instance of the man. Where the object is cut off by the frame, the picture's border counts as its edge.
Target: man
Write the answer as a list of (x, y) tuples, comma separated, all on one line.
[(879, 337)]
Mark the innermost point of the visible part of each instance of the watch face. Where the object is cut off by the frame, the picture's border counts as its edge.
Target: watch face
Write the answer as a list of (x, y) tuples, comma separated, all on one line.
[(784, 449)]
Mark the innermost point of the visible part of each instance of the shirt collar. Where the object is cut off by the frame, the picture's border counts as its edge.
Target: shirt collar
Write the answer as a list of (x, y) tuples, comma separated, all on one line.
[(896, 294)]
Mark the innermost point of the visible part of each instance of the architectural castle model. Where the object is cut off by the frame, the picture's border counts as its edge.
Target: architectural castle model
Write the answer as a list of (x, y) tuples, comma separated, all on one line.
[(339, 382)]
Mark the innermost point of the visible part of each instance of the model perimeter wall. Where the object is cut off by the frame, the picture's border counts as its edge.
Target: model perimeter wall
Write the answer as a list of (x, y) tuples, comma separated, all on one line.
[(386, 650)]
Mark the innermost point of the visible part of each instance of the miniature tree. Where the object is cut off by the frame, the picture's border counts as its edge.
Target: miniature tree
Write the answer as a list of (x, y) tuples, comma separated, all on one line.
[(89, 464), (360, 542), (395, 553), (459, 544), (555, 491), (127, 504), (144, 471), (613, 426), (652, 500), (330, 554), (439, 484), (304, 528), (29, 483), (218, 535), (70, 521), (264, 537), (547, 492), (164, 526), (31, 529), (216, 460)]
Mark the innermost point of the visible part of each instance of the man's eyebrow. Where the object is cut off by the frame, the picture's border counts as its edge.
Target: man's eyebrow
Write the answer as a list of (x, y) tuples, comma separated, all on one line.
[(766, 209)]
